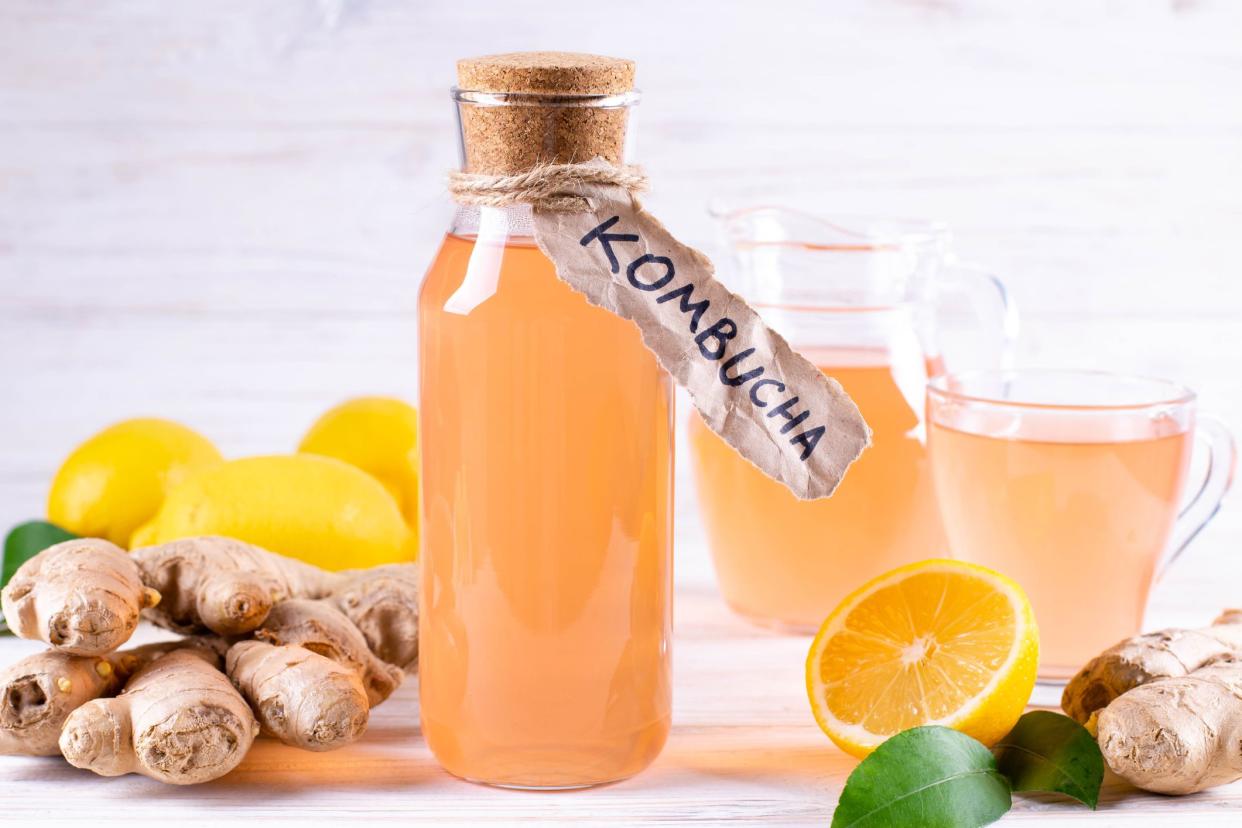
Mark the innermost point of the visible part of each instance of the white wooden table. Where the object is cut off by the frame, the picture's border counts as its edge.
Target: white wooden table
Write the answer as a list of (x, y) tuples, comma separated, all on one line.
[(743, 749), (219, 213)]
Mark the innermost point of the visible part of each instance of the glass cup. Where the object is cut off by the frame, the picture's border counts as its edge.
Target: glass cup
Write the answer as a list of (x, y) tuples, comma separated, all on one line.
[(1072, 483)]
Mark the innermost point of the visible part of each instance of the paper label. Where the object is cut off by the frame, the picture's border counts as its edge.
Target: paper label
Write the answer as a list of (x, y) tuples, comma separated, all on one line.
[(775, 407)]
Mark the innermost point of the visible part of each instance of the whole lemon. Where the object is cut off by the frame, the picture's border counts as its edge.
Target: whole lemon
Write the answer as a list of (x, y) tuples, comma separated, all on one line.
[(116, 480), (321, 510), (378, 435)]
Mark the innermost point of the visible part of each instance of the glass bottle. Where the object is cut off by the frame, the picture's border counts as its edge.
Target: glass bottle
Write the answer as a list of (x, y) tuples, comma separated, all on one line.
[(547, 463), (860, 299)]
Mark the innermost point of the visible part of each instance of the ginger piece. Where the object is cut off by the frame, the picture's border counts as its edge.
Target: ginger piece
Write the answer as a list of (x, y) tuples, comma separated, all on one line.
[(1177, 734), (302, 698), (383, 604), (223, 585), (178, 720), (229, 587), (39, 692), (311, 675), (331, 645), (322, 628), (1145, 658), (82, 596)]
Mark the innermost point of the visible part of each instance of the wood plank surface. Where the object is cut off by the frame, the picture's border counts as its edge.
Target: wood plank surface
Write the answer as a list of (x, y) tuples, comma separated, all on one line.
[(743, 751)]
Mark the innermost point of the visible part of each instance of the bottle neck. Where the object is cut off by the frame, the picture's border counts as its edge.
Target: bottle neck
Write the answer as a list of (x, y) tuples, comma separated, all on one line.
[(510, 134), (493, 224)]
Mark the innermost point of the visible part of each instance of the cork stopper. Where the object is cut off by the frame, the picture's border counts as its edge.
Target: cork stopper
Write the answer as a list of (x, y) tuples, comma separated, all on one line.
[(518, 135), (556, 73)]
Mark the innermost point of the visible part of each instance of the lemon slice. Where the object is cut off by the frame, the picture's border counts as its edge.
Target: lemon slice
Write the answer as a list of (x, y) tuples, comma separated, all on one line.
[(935, 642)]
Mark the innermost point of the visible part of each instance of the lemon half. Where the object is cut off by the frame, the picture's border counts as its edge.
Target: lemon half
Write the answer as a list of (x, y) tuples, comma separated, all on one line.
[(935, 642)]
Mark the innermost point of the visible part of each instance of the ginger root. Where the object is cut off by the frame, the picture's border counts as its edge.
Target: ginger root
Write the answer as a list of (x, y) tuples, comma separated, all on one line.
[(1145, 658), (383, 603), (82, 596), (310, 676), (320, 627), (39, 692), (1166, 707), (222, 585), (326, 648), (227, 587), (1178, 734), (302, 698), (179, 720)]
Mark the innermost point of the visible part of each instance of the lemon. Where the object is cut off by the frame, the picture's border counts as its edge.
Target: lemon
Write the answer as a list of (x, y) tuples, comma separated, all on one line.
[(318, 509), (116, 480), (378, 435), (935, 642)]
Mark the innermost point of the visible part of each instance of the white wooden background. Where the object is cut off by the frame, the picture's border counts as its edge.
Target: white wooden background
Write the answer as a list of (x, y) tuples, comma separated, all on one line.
[(220, 211)]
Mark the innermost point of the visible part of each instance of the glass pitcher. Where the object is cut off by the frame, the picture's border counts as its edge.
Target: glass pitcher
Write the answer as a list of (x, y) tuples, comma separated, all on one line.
[(875, 304)]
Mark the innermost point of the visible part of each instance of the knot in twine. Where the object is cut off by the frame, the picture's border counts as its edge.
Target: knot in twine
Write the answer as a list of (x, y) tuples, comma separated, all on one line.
[(550, 187)]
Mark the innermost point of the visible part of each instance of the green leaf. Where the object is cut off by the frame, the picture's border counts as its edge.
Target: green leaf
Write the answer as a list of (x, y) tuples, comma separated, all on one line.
[(24, 541), (928, 776), (1047, 751)]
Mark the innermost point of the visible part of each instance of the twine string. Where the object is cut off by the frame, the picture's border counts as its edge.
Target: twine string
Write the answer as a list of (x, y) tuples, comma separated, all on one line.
[(551, 187)]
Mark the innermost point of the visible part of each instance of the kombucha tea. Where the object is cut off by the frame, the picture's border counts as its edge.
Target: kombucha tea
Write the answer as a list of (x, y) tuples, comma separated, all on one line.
[(787, 562), (547, 487), (1081, 525)]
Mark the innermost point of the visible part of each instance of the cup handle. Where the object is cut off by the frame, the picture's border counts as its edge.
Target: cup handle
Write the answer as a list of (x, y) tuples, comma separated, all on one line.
[(990, 298), (1203, 506)]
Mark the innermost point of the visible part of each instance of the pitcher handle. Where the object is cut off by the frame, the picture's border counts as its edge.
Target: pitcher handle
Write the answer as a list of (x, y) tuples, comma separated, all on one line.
[(983, 287), (1203, 506)]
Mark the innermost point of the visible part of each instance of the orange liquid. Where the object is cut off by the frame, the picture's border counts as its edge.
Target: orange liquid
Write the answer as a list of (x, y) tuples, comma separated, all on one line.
[(788, 562), (1079, 525), (547, 498)]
